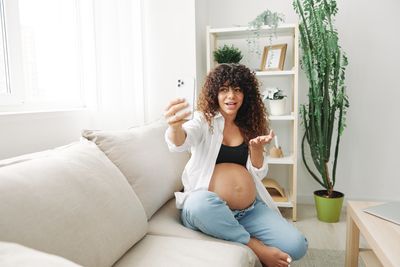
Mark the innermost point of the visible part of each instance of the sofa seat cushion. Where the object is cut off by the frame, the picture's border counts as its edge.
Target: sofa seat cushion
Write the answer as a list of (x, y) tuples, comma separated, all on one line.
[(166, 222), (15, 255), (143, 157), (72, 202), (170, 251)]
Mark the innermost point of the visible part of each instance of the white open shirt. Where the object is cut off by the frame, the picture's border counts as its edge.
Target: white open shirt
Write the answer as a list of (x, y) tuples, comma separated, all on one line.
[(204, 147)]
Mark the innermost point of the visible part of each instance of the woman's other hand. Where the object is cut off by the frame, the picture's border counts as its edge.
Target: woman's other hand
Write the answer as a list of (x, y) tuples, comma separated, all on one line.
[(171, 115), (256, 146), (259, 142)]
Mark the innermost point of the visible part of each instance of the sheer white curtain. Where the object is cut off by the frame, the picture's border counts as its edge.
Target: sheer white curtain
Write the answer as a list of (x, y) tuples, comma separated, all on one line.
[(119, 63)]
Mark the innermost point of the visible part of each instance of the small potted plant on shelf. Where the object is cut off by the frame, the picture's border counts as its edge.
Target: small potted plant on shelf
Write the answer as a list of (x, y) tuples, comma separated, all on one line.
[(276, 101), (323, 116), (266, 18), (227, 54)]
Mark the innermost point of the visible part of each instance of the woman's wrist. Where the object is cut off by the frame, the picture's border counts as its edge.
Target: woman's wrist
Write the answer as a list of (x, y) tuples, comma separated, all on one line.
[(177, 135), (259, 149), (175, 129), (257, 157)]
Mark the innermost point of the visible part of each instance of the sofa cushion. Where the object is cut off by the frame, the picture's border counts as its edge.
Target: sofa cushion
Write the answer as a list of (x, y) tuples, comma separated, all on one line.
[(169, 251), (143, 157), (166, 222), (72, 202), (15, 255)]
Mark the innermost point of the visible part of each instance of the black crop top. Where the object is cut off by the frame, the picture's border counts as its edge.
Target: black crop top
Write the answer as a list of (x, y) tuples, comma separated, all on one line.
[(233, 154)]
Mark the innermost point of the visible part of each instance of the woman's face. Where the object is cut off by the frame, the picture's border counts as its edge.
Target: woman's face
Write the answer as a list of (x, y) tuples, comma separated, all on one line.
[(230, 99)]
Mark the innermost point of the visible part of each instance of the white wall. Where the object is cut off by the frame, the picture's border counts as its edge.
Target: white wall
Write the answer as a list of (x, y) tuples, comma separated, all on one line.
[(27, 133), (202, 18), (170, 50), (369, 148)]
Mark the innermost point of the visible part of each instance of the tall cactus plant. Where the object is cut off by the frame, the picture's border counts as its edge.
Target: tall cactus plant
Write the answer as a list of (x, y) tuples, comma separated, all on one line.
[(324, 64)]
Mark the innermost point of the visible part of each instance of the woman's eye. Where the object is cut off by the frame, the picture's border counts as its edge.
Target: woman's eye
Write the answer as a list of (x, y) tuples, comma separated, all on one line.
[(223, 89), (237, 90)]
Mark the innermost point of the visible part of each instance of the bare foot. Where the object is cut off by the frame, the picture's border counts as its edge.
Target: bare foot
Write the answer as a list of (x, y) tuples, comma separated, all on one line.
[(269, 256)]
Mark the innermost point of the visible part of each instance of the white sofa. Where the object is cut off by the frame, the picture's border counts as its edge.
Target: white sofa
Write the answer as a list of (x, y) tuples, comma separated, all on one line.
[(106, 200)]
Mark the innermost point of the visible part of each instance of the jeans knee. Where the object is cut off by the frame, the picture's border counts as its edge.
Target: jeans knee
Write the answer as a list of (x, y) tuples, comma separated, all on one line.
[(297, 246), (199, 203)]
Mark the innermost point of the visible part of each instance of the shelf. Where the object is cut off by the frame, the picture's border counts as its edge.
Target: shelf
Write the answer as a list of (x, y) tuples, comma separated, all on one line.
[(285, 204), (369, 258), (288, 160), (282, 117), (288, 33), (275, 73), (285, 29)]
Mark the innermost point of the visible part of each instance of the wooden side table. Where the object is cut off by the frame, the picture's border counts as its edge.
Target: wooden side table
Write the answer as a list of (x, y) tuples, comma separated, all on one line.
[(382, 236)]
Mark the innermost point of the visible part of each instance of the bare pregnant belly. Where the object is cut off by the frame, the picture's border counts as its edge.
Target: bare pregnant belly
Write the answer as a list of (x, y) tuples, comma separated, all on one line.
[(234, 184)]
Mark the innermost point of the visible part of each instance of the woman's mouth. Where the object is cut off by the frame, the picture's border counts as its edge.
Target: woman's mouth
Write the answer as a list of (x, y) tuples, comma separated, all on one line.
[(231, 105)]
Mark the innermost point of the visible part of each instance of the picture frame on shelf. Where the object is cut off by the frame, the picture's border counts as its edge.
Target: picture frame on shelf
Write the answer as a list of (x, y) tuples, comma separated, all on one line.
[(273, 57)]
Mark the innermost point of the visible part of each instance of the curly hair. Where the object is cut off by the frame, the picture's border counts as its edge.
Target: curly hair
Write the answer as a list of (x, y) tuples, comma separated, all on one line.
[(252, 117)]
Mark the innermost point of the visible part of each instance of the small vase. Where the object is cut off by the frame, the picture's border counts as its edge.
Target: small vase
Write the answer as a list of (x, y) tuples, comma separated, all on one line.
[(277, 107)]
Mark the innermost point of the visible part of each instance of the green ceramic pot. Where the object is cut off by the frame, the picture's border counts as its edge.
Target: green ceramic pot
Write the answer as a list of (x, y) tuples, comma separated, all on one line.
[(328, 209)]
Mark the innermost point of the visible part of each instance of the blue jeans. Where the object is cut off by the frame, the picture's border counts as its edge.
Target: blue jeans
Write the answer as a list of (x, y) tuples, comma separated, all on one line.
[(207, 212)]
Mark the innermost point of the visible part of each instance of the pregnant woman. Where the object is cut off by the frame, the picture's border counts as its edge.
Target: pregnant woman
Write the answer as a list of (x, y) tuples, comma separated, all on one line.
[(223, 193)]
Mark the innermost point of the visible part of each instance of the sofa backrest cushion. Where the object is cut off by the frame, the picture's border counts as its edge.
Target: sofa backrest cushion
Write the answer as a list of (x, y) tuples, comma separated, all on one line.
[(143, 157), (72, 202), (15, 255)]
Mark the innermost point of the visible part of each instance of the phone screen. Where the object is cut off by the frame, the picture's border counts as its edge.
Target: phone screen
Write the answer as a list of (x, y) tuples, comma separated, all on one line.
[(185, 88)]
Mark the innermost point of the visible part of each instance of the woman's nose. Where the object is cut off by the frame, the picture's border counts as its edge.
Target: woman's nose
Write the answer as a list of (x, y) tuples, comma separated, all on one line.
[(231, 93)]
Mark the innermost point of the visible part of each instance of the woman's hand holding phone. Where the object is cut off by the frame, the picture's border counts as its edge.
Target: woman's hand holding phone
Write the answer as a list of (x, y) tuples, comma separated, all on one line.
[(174, 115)]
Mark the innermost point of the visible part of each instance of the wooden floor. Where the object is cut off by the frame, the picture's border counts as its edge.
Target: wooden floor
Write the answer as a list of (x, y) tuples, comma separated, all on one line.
[(319, 234)]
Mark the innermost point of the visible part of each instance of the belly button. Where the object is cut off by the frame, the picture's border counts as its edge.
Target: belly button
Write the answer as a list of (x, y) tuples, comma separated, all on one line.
[(238, 188)]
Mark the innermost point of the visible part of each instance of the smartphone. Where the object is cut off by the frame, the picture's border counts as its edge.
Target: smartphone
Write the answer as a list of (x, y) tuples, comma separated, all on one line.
[(185, 88)]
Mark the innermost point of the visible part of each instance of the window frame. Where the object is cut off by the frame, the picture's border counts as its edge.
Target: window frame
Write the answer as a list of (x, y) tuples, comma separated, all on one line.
[(16, 98), (12, 42), (3, 39)]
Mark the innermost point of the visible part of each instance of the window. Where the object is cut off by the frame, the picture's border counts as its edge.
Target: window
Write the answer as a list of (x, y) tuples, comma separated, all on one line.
[(4, 77), (42, 54)]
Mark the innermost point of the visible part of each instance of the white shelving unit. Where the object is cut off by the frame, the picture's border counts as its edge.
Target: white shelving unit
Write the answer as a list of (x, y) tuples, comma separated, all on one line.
[(288, 124)]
